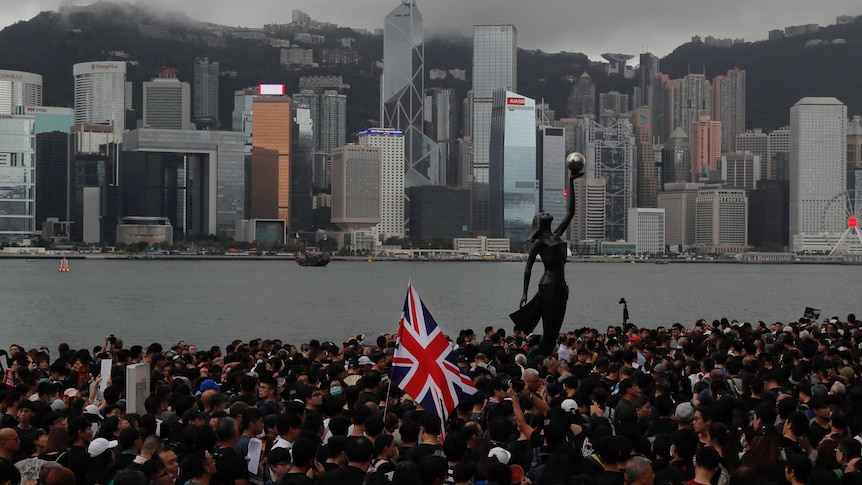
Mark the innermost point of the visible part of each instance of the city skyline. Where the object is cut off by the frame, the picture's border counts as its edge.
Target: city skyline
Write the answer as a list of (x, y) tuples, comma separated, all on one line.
[(642, 29)]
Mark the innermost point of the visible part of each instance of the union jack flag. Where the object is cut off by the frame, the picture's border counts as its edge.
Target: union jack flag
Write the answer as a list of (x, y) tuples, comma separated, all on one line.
[(424, 365)]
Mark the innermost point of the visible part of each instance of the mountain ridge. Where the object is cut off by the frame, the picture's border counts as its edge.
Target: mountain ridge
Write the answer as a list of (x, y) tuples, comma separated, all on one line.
[(779, 72)]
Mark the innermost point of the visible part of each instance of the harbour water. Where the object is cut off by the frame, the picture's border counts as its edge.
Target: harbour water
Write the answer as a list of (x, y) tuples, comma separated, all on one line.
[(215, 302)]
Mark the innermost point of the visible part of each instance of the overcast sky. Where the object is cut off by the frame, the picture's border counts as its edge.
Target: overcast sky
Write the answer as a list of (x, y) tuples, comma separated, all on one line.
[(589, 26)]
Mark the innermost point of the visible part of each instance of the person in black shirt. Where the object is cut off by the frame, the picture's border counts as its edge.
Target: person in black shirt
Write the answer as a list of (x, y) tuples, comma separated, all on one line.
[(81, 434), (359, 451), (231, 468)]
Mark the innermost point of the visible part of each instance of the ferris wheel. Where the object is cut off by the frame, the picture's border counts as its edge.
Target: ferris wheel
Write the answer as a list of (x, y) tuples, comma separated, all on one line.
[(847, 204)]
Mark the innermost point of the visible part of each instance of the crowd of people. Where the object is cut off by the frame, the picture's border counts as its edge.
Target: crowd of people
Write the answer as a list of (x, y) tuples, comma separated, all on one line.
[(721, 403)]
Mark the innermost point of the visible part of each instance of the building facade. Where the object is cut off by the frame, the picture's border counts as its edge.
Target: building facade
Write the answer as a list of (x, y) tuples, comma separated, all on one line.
[(705, 148), (100, 93), (18, 88), (392, 200), (270, 164), (403, 92), (679, 201), (611, 155), (553, 176), (206, 92), (646, 230), (818, 168), (167, 103), (646, 178), (18, 175), (692, 99), (755, 142), (722, 221), (356, 181), (728, 106), (582, 98), (495, 66), (514, 195), (740, 170)]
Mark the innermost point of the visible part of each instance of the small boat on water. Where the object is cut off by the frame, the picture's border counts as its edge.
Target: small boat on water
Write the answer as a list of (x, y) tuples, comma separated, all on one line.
[(661, 261), (312, 258), (64, 266)]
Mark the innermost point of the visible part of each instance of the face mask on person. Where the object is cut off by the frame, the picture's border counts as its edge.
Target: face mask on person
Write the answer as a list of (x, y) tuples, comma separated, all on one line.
[(335, 391)]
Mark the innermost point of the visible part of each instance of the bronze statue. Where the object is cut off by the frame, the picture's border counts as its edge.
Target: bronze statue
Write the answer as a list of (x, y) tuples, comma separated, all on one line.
[(549, 303)]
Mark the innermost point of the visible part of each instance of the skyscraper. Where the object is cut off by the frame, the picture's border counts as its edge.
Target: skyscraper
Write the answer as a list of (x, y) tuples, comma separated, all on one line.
[(676, 158), (167, 102), (647, 70), (206, 92), (756, 142), (722, 220), (19, 88), (818, 169), (728, 106), (356, 172), (613, 102), (611, 155), (692, 98), (329, 113), (552, 172), (705, 148), (391, 143), (646, 180), (270, 166), (740, 170), (100, 93), (661, 107), (18, 173), (403, 92), (514, 196), (495, 66), (582, 99)]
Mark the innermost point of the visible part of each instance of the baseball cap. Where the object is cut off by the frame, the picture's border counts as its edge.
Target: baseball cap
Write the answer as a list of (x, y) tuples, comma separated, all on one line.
[(684, 413), (208, 384), (570, 406), (364, 360)]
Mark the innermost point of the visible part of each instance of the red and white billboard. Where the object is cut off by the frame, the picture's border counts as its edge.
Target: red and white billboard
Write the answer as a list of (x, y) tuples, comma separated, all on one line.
[(515, 101), (271, 89)]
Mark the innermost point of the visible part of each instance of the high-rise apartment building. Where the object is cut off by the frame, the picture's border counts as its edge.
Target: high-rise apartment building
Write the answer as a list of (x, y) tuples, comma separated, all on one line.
[(93, 182), (403, 92), (18, 88), (495, 66), (513, 193), (270, 163), (722, 221), (728, 106), (611, 155), (391, 143), (705, 148), (18, 175), (661, 104), (167, 102), (100, 93), (582, 98), (692, 99), (206, 92), (646, 181), (818, 169)]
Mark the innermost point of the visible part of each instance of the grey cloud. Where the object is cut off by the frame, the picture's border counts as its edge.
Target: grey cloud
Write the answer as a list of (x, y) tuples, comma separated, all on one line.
[(591, 26)]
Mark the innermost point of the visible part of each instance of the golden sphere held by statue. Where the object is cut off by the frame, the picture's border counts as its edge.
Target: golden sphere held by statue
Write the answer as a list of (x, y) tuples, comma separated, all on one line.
[(576, 162)]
